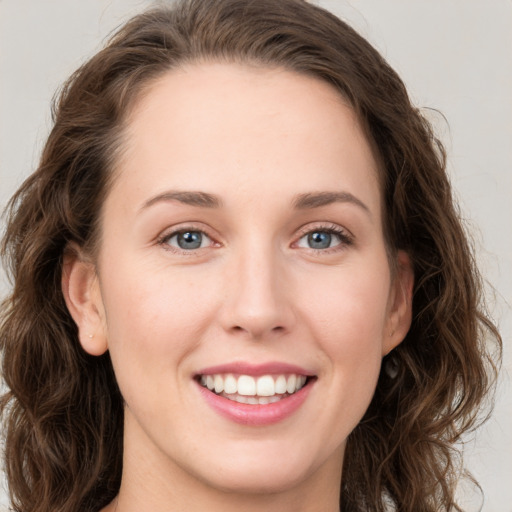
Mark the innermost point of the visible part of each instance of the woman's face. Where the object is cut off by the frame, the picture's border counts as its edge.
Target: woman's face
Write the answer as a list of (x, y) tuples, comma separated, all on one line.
[(242, 248)]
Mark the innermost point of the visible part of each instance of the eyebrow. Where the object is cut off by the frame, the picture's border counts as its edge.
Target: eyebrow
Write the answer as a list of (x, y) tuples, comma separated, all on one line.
[(201, 199), (305, 201), (319, 199)]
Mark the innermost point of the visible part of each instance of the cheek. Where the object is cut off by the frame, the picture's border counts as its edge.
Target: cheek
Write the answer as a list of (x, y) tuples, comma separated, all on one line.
[(346, 317), (154, 321), (153, 318), (349, 315)]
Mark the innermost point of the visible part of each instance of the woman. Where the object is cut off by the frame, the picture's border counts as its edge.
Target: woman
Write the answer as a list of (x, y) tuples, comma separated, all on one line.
[(240, 279)]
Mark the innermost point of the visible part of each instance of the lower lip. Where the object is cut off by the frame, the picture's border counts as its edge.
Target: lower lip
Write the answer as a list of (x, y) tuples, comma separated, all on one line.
[(259, 414)]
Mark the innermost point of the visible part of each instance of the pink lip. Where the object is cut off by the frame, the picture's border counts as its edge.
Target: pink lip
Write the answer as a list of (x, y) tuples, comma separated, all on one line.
[(261, 414), (256, 415), (255, 369)]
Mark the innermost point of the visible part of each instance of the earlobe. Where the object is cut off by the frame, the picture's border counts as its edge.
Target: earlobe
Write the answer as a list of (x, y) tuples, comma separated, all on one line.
[(81, 291), (400, 311)]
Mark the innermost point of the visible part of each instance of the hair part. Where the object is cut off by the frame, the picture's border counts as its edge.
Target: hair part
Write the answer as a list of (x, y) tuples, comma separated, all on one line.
[(63, 412)]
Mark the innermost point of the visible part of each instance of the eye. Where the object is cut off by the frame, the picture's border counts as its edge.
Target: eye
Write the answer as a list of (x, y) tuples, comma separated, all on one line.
[(320, 240), (187, 240), (324, 238)]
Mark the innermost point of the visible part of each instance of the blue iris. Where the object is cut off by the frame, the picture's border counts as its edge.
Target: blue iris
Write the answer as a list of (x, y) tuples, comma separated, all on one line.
[(189, 240), (319, 240)]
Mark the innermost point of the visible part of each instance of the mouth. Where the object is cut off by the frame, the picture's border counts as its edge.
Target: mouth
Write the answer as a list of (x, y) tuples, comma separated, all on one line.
[(254, 390), (255, 395)]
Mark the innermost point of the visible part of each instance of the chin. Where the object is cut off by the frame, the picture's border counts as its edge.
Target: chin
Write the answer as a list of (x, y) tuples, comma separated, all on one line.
[(268, 469), (264, 480)]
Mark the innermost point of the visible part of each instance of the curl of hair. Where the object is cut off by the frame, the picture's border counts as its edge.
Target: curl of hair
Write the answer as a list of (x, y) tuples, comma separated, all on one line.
[(63, 412)]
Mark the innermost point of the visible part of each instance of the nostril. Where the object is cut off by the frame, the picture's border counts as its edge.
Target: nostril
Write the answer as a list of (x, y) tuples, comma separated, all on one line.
[(256, 331)]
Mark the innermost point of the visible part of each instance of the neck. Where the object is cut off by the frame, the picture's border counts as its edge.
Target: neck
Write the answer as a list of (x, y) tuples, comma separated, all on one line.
[(178, 491), (153, 481), (128, 502)]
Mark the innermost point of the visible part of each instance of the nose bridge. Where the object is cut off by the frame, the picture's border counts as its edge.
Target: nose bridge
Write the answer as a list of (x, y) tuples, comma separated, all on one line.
[(257, 304)]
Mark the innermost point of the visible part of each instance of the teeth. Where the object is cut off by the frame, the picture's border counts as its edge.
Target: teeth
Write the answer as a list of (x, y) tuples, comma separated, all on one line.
[(219, 384), (254, 390), (265, 386), (253, 400), (290, 384), (281, 384), (230, 384), (246, 385)]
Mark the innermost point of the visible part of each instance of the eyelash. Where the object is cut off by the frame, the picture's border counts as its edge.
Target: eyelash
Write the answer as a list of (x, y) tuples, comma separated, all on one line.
[(345, 239), (166, 237)]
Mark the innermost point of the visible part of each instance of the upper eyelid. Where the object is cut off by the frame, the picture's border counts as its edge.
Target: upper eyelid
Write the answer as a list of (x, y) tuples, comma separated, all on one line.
[(186, 226), (346, 238), (323, 226), (310, 227), (172, 234), (167, 234), (164, 238)]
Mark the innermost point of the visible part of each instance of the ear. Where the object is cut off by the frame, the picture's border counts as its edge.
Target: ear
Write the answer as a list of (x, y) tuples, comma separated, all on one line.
[(82, 294), (400, 304)]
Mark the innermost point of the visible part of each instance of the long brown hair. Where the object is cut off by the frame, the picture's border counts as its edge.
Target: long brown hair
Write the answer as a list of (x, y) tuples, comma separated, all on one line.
[(63, 412)]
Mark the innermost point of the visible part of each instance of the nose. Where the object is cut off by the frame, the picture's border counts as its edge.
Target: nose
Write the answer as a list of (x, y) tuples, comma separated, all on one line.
[(258, 297)]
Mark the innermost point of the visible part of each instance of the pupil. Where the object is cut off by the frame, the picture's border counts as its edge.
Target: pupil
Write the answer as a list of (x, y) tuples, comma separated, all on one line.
[(190, 240), (319, 240)]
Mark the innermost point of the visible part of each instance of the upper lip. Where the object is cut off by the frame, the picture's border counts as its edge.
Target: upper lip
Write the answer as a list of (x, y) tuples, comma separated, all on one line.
[(245, 368)]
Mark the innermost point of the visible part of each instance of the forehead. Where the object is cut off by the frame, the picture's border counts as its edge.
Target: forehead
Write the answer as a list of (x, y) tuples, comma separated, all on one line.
[(208, 125)]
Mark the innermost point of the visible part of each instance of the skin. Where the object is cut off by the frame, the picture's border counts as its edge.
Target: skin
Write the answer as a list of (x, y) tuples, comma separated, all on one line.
[(255, 291)]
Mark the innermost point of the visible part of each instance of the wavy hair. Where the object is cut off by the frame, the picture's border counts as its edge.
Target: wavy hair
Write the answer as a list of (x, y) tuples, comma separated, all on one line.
[(62, 410)]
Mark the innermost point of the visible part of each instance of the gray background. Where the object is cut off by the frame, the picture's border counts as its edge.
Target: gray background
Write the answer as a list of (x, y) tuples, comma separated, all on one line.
[(454, 56)]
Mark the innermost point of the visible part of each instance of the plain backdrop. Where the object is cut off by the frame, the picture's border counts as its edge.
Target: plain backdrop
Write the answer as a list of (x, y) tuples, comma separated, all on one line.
[(454, 56)]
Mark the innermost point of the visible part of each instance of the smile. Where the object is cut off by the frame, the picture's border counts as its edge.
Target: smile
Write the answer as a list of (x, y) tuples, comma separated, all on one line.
[(246, 389), (255, 395)]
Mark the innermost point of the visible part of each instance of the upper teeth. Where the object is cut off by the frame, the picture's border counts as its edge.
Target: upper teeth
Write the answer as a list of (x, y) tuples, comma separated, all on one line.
[(246, 385)]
